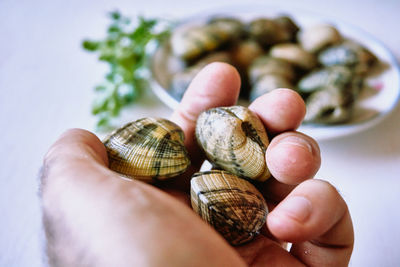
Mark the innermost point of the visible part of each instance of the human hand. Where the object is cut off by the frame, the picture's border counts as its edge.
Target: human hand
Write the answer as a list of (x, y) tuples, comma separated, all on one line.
[(92, 217)]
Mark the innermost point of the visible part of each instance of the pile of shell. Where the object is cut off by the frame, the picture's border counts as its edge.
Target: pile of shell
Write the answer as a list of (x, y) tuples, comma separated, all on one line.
[(234, 141), (327, 69)]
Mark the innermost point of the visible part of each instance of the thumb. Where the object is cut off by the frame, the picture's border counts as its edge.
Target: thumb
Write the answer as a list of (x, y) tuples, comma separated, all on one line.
[(315, 218)]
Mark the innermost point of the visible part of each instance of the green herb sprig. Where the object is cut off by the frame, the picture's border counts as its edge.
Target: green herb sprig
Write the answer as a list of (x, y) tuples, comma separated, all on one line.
[(126, 50)]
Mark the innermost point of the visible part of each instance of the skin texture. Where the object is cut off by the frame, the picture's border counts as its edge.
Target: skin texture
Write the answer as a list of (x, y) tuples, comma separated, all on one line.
[(93, 217)]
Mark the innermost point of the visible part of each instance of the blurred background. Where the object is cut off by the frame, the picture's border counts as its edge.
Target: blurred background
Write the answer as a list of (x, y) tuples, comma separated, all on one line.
[(47, 80)]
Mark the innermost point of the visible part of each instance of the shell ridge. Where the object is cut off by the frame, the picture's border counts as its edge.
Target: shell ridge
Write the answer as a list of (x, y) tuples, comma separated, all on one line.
[(147, 149), (233, 223), (244, 206), (252, 134), (233, 206)]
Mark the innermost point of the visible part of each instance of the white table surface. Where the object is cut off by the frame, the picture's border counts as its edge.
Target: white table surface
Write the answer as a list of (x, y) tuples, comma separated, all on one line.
[(46, 83)]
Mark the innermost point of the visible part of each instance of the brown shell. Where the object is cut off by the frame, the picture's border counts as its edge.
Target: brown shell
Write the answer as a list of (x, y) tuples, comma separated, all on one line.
[(268, 32), (234, 139), (266, 65), (289, 27), (233, 206), (245, 52), (147, 149), (189, 43)]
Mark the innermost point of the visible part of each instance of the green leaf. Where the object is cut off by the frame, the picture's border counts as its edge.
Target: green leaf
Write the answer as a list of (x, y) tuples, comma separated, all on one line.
[(114, 29), (125, 50), (100, 88), (103, 123), (90, 45), (115, 15)]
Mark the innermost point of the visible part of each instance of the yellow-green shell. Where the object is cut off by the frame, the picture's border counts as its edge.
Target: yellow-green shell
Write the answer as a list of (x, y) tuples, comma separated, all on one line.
[(148, 149)]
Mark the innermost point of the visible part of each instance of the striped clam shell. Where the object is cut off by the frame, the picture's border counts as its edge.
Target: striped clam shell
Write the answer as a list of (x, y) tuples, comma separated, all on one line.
[(268, 32), (234, 139), (147, 149), (189, 43), (348, 53), (233, 206), (337, 75), (266, 65), (329, 105)]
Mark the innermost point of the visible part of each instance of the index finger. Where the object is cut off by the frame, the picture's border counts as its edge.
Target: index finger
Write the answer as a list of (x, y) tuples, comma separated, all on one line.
[(291, 157), (217, 84)]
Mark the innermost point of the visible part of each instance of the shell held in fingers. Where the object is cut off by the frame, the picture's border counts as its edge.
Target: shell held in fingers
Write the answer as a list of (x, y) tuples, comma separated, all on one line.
[(147, 149), (233, 206), (234, 139)]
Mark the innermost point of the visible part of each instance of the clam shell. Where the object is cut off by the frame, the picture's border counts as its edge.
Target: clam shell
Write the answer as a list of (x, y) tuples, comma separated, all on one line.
[(348, 53), (294, 54), (329, 105), (267, 32), (233, 27), (268, 65), (233, 206), (190, 43), (234, 139), (338, 76), (317, 37), (267, 83), (147, 149), (245, 52), (289, 26)]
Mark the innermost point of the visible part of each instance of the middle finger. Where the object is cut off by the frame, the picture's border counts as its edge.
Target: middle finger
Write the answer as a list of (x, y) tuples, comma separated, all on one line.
[(292, 158)]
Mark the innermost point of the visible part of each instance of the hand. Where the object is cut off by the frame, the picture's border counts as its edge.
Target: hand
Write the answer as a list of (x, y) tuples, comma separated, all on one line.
[(92, 217)]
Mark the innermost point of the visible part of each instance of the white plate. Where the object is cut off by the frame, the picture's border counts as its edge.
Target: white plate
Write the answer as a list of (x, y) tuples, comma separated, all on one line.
[(374, 104)]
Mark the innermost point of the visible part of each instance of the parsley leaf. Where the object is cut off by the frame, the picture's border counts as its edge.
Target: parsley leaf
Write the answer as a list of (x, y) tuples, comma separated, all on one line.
[(126, 50)]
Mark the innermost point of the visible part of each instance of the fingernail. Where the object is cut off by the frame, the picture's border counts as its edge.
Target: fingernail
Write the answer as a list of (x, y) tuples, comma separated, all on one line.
[(296, 207), (297, 141)]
